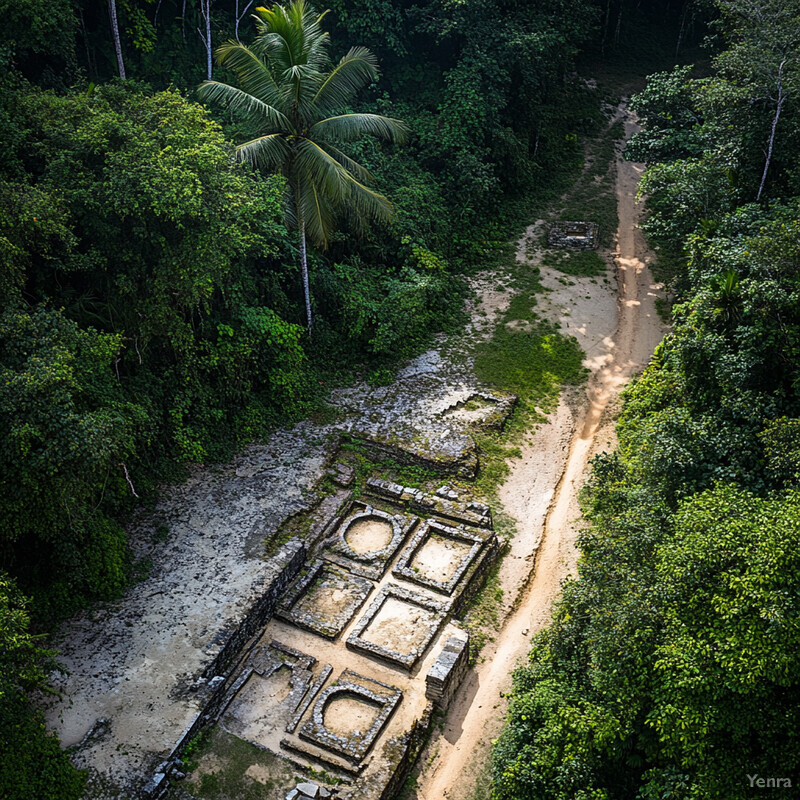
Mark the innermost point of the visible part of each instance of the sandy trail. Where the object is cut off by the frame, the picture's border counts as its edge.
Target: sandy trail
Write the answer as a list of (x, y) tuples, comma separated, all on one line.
[(476, 716)]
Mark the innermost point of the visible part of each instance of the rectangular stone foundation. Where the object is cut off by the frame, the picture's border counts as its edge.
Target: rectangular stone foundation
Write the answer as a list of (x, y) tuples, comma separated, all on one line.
[(325, 600), (364, 691), (573, 235), (435, 615), (373, 760), (407, 570)]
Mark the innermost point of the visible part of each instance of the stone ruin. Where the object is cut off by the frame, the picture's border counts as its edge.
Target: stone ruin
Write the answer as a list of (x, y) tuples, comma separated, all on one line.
[(399, 626), (573, 235), (364, 644), (351, 703)]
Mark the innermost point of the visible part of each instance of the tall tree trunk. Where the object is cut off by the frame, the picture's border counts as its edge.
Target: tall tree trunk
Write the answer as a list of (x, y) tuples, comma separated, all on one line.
[(304, 271), (682, 29), (209, 66), (605, 28), (205, 34), (205, 6), (112, 12), (92, 72), (240, 17), (778, 108)]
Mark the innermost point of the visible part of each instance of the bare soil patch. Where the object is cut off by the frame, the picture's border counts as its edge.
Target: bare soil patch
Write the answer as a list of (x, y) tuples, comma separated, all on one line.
[(399, 626), (440, 557), (346, 715), (369, 535), (256, 714)]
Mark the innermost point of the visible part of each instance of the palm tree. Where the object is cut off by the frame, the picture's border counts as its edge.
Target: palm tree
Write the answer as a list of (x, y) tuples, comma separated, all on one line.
[(293, 96)]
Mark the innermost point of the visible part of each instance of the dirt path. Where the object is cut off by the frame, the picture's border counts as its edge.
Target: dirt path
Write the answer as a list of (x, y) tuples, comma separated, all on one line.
[(476, 716)]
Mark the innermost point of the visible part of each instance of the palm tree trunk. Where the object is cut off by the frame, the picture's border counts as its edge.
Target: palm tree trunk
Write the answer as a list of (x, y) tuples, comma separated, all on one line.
[(112, 12), (304, 271), (779, 107)]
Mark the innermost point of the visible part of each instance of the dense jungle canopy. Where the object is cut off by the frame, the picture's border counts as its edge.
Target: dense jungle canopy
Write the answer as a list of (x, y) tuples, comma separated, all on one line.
[(154, 314)]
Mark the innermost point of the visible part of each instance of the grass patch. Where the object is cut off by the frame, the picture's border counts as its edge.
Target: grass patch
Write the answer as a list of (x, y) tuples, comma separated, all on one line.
[(483, 782), (592, 198), (664, 309), (583, 263), (532, 362), (359, 457), (221, 763), (482, 619), (669, 266)]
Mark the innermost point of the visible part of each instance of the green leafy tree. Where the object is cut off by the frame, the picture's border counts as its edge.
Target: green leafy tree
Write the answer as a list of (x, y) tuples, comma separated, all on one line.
[(671, 669), (294, 99), (33, 764), (66, 434), (764, 56)]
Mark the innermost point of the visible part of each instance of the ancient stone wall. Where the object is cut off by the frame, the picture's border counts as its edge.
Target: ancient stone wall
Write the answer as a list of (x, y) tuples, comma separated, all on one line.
[(411, 747), (573, 235), (461, 462), (447, 672), (477, 578), (471, 513), (280, 571)]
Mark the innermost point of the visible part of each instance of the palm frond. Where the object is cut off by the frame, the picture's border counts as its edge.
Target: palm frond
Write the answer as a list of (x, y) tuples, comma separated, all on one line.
[(353, 167), (349, 127), (316, 167), (301, 83), (334, 186), (316, 212), (292, 36), (366, 202), (253, 74), (356, 69), (238, 100), (267, 153)]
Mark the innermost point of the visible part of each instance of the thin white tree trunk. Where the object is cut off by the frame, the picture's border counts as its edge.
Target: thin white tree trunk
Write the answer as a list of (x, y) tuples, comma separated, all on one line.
[(778, 108), (208, 40), (112, 12), (304, 271), (240, 17), (682, 29), (207, 4), (205, 35)]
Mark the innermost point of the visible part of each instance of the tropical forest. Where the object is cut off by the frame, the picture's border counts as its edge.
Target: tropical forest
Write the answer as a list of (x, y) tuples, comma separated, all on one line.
[(400, 400)]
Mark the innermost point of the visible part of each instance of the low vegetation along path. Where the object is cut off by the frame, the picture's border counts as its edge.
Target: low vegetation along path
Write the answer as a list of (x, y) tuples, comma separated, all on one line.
[(477, 714)]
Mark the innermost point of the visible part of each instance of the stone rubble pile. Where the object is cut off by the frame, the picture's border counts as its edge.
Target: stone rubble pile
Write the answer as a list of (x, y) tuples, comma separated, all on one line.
[(309, 790)]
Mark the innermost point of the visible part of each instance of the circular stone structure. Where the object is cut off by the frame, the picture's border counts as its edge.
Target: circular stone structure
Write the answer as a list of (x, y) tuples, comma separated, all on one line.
[(368, 534)]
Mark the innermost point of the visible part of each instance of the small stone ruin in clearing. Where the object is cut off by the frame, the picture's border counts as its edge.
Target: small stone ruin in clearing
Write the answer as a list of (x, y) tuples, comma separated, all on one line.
[(573, 235), (343, 670)]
